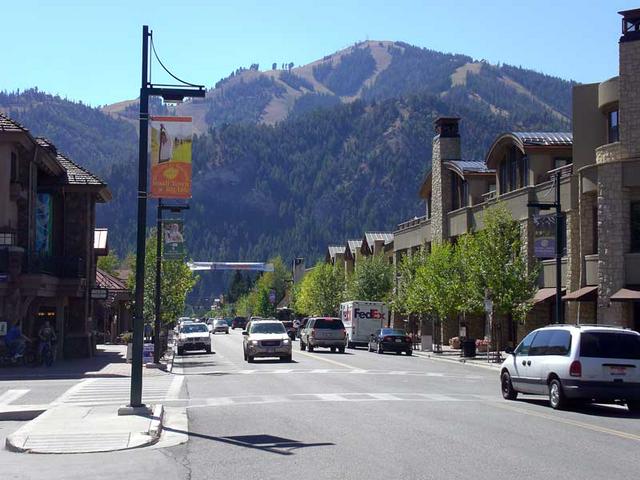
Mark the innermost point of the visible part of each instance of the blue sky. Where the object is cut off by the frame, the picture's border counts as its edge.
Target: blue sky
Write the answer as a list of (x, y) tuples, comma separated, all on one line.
[(90, 50)]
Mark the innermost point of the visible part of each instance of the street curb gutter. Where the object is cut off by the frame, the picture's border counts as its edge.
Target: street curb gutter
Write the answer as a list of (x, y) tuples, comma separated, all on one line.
[(461, 361)]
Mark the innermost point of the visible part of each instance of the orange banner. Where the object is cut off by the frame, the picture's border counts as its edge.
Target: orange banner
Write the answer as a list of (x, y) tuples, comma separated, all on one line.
[(171, 139)]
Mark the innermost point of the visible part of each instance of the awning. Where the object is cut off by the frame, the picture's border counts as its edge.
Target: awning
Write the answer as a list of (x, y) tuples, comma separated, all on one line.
[(626, 295), (585, 294), (544, 294)]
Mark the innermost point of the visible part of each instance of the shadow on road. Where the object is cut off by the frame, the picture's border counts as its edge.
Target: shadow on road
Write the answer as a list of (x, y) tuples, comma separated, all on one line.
[(264, 442), (592, 409)]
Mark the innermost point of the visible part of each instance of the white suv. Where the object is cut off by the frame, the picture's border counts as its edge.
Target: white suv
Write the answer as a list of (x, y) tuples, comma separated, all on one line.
[(575, 362)]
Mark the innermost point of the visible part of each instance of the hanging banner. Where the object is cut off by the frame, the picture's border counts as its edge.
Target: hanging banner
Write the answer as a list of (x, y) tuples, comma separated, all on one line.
[(170, 157), (544, 242), (254, 266), (173, 247)]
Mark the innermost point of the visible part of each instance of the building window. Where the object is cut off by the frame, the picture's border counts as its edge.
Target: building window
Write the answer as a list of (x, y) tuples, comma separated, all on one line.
[(513, 170), (612, 125), (503, 177), (562, 162), (14, 167), (635, 227), (7, 239)]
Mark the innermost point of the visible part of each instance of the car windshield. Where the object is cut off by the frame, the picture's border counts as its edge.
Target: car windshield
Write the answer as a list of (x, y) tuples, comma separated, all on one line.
[(194, 327), (220, 323), (329, 323), (392, 331), (610, 345), (267, 327)]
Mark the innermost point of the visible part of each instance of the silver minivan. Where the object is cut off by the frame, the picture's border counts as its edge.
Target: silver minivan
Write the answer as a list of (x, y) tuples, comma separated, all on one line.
[(575, 363)]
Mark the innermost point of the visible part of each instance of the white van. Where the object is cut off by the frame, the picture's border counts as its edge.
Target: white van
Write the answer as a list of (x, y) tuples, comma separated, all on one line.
[(361, 320), (575, 362)]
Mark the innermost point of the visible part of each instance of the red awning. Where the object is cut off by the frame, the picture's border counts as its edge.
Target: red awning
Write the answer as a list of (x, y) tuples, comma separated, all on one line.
[(585, 294), (626, 295), (544, 294)]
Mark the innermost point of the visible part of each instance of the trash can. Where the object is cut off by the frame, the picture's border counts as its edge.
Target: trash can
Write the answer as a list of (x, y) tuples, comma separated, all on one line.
[(468, 348)]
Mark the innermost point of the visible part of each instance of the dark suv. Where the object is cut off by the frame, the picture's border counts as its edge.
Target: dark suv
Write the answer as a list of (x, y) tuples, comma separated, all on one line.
[(238, 322)]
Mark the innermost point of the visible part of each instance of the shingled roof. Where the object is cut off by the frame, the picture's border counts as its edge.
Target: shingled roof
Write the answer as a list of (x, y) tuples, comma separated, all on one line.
[(74, 173), (9, 125)]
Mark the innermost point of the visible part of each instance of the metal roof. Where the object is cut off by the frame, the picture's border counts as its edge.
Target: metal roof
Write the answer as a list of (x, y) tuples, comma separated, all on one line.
[(354, 245), (471, 166), (336, 250), (372, 237), (110, 282), (545, 138)]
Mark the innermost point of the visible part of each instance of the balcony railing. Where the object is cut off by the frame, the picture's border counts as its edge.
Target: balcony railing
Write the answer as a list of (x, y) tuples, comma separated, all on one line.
[(69, 267), (411, 223)]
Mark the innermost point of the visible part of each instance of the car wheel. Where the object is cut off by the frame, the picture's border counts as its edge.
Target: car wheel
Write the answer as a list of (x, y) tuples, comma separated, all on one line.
[(180, 351), (508, 393), (287, 358), (341, 349), (557, 400), (250, 358), (349, 345), (333, 349), (208, 349), (227, 332), (310, 347), (398, 352), (302, 345), (409, 352), (244, 355), (634, 406)]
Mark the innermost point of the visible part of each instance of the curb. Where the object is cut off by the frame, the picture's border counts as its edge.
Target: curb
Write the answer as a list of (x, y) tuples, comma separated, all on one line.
[(461, 361), (155, 427)]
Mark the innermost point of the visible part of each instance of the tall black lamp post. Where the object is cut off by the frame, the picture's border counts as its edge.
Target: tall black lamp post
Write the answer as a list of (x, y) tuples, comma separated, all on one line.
[(559, 317), (170, 93)]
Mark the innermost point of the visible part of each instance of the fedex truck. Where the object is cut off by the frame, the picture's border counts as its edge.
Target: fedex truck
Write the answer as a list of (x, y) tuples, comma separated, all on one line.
[(361, 319)]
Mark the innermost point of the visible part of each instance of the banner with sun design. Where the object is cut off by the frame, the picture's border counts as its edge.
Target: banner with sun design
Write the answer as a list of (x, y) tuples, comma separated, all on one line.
[(171, 157)]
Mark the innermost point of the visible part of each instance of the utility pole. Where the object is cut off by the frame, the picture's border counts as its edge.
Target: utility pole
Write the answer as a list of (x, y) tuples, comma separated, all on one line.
[(172, 93)]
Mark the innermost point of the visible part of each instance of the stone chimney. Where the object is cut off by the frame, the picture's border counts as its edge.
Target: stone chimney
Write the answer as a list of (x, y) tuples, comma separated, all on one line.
[(298, 269), (446, 146), (629, 105)]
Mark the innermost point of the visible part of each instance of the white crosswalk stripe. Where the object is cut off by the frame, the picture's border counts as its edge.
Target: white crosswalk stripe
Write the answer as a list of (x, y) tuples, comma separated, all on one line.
[(12, 395), (108, 391), (339, 397)]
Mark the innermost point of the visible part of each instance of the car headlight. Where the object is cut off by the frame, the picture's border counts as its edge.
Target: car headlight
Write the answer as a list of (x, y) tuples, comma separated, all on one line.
[(285, 342), (254, 342)]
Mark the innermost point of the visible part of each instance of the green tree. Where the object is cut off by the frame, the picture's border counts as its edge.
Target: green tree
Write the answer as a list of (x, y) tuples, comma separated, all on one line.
[(405, 295), (109, 263), (176, 281), (501, 266), (321, 291), (372, 280)]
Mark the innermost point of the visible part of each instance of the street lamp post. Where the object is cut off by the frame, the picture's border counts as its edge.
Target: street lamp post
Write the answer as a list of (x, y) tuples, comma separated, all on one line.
[(172, 93), (559, 317)]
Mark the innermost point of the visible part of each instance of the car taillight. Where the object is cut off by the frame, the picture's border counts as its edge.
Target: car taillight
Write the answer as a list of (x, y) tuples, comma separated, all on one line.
[(407, 339), (575, 370), (344, 332), (386, 339)]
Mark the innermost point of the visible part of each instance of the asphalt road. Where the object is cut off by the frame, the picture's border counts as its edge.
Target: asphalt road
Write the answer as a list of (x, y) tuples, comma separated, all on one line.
[(358, 415)]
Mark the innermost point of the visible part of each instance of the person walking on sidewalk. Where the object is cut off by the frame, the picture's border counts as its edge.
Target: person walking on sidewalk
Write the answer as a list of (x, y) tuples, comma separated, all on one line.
[(47, 337)]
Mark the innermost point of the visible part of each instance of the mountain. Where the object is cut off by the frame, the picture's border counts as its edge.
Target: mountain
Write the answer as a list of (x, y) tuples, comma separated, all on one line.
[(371, 70), (289, 160)]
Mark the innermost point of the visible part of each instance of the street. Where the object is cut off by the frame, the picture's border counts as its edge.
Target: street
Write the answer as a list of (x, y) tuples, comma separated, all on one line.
[(327, 416)]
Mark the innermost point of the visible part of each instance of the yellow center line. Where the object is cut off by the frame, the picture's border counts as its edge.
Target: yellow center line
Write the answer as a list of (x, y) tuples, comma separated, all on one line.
[(575, 423), (320, 357)]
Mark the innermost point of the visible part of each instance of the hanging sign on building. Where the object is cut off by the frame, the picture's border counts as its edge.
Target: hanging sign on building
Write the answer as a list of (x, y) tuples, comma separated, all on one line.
[(170, 157), (544, 241), (173, 247)]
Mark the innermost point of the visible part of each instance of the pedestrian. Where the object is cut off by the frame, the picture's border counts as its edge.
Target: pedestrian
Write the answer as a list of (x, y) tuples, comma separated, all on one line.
[(47, 338), (147, 331), (16, 341)]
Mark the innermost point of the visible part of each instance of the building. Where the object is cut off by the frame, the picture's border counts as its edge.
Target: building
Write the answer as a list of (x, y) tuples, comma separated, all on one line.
[(47, 222)]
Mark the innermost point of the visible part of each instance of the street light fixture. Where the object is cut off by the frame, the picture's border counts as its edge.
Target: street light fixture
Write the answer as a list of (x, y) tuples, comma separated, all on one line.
[(169, 93)]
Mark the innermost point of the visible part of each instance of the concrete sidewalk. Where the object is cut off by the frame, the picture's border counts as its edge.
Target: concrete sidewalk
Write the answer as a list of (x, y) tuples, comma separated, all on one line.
[(74, 429), (451, 355)]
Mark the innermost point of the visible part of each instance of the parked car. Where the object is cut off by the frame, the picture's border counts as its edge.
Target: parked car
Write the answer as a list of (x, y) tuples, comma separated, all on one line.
[(238, 322), (220, 325), (390, 340), (182, 321), (193, 336), (266, 338), (324, 332), (575, 362)]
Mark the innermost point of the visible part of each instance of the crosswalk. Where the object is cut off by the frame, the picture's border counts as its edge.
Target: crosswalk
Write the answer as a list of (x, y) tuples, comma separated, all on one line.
[(338, 397)]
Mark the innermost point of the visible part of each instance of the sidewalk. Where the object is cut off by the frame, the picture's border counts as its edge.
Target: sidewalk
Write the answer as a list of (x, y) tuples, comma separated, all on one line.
[(448, 354), (74, 429)]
